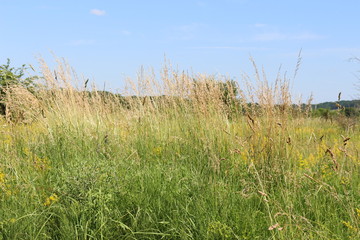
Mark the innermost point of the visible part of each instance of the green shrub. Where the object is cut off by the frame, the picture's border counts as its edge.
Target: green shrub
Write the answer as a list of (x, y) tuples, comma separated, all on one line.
[(13, 81)]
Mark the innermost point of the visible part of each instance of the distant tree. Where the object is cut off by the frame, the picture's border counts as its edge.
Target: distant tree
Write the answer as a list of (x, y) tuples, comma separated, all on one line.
[(229, 91), (322, 112), (225, 91)]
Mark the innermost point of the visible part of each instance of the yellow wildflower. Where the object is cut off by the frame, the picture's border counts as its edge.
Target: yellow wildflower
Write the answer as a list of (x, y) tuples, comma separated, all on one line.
[(27, 152), (157, 151), (327, 172), (302, 161), (3, 181), (52, 199), (2, 178), (40, 163), (349, 226), (244, 156), (7, 140), (345, 181)]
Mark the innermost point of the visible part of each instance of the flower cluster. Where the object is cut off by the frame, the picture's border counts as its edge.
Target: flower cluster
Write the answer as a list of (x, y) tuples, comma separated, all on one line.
[(52, 199)]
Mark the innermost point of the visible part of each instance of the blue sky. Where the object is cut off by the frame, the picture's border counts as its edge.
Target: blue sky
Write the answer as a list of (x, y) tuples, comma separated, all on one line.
[(109, 40)]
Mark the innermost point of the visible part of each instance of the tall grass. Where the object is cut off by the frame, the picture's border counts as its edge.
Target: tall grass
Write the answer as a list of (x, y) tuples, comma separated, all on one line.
[(173, 160)]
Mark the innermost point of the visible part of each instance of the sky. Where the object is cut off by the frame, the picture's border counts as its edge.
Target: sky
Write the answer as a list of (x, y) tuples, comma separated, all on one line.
[(110, 40)]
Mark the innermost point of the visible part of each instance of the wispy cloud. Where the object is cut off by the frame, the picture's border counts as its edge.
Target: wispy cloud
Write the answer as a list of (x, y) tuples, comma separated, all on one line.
[(97, 12), (277, 36)]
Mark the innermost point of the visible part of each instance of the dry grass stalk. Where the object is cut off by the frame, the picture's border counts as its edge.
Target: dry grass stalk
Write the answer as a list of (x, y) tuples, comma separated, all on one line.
[(336, 165), (21, 106)]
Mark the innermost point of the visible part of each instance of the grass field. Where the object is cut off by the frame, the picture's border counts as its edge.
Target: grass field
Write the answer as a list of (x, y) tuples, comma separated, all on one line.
[(183, 167)]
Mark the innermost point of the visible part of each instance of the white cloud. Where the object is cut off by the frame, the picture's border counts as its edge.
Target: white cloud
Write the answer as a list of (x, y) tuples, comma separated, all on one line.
[(97, 12)]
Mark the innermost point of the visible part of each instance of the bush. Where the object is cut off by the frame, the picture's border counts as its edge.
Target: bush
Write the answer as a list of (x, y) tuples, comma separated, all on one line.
[(351, 112), (323, 113), (13, 83)]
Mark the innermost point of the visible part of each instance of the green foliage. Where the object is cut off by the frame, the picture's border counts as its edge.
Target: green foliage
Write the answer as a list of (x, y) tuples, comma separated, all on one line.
[(10, 76), (219, 231), (229, 91), (14, 77), (322, 112), (343, 117), (333, 106), (328, 114), (351, 112), (92, 171), (227, 95), (183, 178)]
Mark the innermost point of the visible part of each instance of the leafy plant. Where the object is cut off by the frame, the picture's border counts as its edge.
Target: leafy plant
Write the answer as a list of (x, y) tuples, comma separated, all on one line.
[(12, 77)]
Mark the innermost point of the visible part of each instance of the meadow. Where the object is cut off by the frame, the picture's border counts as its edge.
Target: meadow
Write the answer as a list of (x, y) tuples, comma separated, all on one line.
[(178, 160)]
